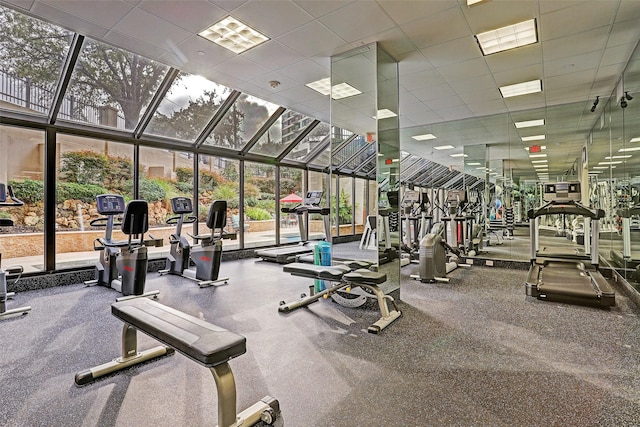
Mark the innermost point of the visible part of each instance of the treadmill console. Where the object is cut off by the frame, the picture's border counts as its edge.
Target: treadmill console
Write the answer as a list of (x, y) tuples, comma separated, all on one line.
[(181, 205), (313, 198), (562, 192), (110, 204)]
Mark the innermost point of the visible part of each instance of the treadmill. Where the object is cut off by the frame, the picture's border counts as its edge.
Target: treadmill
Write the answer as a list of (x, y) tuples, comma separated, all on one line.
[(625, 258), (288, 254), (569, 277)]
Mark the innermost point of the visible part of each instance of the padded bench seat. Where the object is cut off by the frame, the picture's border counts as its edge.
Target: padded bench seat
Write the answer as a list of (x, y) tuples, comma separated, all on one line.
[(365, 276), (197, 339), (329, 272)]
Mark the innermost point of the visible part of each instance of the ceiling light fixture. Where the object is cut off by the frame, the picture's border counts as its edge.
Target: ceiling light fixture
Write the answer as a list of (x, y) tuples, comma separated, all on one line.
[(604, 167), (626, 150), (424, 137), (529, 123), (339, 91), (233, 35), (509, 37), (458, 155), (595, 104), (524, 88), (444, 147), (628, 156), (531, 156), (540, 166), (533, 138), (385, 114), (635, 139), (539, 161), (474, 164)]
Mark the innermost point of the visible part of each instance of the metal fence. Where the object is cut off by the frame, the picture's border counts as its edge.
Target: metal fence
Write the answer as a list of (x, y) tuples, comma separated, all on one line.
[(24, 93)]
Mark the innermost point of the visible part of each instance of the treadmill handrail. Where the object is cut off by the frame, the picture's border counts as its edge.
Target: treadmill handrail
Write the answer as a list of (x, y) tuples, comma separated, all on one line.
[(565, 207)]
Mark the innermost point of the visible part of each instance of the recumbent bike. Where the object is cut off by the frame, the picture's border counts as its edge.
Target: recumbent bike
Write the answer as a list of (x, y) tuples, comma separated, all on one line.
[(122, 264), (207, 255), (12, 273)]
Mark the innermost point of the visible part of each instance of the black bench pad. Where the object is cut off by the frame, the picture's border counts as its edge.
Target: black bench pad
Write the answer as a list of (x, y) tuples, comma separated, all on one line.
[(365, 277), (329, 272), (197, 339)]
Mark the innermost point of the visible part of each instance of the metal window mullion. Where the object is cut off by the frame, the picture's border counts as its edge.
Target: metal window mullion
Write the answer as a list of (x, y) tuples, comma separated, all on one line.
[(164, 87), (196, 190), (50, 200), (217, 118), (353, 205), (265, 127), (353, 156), (298, 139), (136, 171), (241, 180), (65, 76), (277, 196), (319, 149), (366, 162), (342, 145)]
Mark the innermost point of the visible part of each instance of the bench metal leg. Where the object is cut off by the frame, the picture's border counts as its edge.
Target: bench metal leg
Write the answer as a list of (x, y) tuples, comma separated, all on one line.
[(302, 302), (388, 316), (130, 356), (265, 410)]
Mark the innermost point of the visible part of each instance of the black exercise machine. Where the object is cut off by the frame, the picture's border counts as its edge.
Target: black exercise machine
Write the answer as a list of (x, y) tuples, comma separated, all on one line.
[(13, 273), (208, 254), (204, 343), (626, 258), (564, 277), (287, 254), (123, 264), (345, 278)]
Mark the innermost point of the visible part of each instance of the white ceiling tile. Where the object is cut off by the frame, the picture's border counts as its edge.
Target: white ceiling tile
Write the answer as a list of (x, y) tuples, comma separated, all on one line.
[(193, 16), (300, 93), (577, 18), (263, 80), (515, 58), (69, 21), (421, 79), (189, 51), (105, 13), (228, 5), (624, 32), (403, 11), (306, 71), (430, 93), (22, 4), (147, 27), (241, 68), (311, 39), (519, 75), (587, 41), (453, 51), (357, 21), (392, 41), (464, 70), (320, 8), (133, 45), (273, 55), (438, 28), (496, 14), (272, 17), (571, 64)]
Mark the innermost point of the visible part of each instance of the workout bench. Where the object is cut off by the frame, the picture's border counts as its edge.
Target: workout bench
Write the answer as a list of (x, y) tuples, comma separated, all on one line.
[(200, 341), (345, 278)]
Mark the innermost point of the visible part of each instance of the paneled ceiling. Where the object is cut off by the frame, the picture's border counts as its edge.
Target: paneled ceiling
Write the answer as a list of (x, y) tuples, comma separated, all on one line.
[(447, 87)]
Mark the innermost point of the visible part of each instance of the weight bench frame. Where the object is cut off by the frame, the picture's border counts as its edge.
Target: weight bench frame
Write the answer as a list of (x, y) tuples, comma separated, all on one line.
[(200, 341), (345, 279)]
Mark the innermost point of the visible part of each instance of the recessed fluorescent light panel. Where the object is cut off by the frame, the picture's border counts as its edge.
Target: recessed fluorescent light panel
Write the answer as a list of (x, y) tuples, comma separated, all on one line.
[(617, 162), (424, 137), (473, 164), (539, 161), (635, 139), (533, 138), (529, 123), (233, 35), (627, 156), (523, 88), (531, 156), (509, 37), (604, 167), (626, 150), (444, 147), (474, 2), (540, 166), (385, 114), (339, 91), (458, 155), (343, 90)]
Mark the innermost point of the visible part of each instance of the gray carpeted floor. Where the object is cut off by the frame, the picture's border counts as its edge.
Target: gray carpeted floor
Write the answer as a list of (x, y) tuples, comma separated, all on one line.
[(471, 352)]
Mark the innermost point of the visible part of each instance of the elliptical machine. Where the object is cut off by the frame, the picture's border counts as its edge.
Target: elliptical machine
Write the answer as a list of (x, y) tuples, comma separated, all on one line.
[(122, 264), (12, 273), (433, 262), (207, 255)]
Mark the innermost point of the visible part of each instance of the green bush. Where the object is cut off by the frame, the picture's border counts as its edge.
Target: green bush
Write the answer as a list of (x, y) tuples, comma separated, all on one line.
[(84, 192), (85, 167), (250, 201), (151, 190), (268, 205), (228, 192), (257, 214), (29, 191), (210, 180), (184, 174), (184, 187)]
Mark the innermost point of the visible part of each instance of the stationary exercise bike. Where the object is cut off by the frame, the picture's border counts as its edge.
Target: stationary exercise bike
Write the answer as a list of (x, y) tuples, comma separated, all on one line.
[(12, 273), (122, 264), (207, 255)]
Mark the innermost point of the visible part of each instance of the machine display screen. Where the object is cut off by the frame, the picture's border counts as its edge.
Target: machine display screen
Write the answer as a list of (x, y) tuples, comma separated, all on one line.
[(110, 204), (3, 193), (313, 198), (181, 205), (558, 191)]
